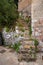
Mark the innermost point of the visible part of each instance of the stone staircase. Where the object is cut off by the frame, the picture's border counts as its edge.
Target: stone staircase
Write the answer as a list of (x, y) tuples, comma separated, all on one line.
[(26, 53), (27, 41)]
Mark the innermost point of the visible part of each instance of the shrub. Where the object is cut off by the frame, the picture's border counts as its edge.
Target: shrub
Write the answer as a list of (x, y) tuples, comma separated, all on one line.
[(8, 13), (16, 46), (36, 43)]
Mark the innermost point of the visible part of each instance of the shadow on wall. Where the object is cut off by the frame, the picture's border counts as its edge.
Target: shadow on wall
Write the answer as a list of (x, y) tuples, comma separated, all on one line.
[(1, 39)]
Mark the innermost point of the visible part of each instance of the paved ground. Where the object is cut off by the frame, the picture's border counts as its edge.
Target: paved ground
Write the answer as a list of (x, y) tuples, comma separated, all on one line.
[(8, 57)]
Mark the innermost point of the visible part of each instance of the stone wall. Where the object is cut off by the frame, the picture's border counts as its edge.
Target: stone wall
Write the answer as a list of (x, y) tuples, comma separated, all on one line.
[(37, 18), (24, 6), (38, 29), (37, 9)]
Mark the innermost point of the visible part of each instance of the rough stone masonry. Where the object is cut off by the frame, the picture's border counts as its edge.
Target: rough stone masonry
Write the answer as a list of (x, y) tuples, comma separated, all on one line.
[(37, 18), (35, 10)]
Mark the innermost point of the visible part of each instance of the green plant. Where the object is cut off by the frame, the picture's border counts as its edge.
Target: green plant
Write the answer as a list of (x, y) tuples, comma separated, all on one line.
[(31, 48), (21, 35), (30, 30), (16, 46), (16, 36), (32, 53), (22, 30), (19, 24), (28, 21), (36, 43), (7, 29), (8, 13)]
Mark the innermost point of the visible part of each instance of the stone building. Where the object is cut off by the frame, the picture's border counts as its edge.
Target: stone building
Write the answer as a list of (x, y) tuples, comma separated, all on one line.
[(37, 18), (33, 8), (24, 7)]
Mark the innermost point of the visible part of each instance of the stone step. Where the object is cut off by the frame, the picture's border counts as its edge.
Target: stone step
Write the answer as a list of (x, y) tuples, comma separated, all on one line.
[(27, 42), (23, 52), (25, 39), (25, 56)]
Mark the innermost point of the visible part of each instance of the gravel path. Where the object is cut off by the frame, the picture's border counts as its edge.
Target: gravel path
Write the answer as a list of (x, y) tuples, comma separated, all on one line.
[(8, 57)]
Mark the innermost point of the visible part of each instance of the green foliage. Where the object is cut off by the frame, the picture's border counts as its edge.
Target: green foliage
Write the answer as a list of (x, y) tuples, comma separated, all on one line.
[(22, 30), (31, 48), (7, 29), (19, 24), (16, 46), (21, 35), (16, 36), (28, 21), (8, 13), (16, 1), (30, 30), (36, 43)]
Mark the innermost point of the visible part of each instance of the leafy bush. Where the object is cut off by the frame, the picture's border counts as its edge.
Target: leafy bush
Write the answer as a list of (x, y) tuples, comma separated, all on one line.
[(36, 43), (30, 30), (8, 13), (28, 21), (7, 29), (16, 46)]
